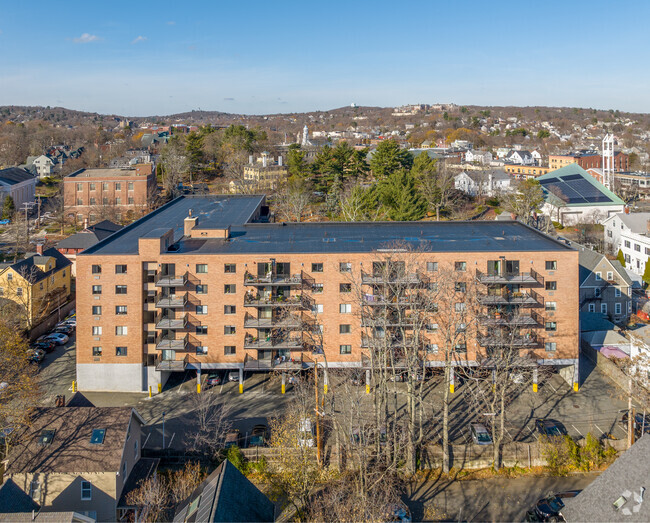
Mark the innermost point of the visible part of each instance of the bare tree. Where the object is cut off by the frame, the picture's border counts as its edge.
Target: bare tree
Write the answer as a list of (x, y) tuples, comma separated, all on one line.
[(293, 200), (212, 424), (151, 499), (175, 165), (438, 188)]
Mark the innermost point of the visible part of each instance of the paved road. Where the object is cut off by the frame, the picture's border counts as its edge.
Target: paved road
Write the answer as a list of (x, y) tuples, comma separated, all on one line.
[(495, 499)]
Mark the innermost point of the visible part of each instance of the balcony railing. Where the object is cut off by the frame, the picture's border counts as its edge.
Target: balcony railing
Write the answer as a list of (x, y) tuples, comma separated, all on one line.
[(386, 321), (393, 342), (396, 278), (532, 320), (171, 365), (274, 342), (278, 363), (508, 340), (515, 278), (378, 300), (172, 342), (164, 321), (524, 299), (171, 280), (272, 279), (287, 322), (302, 301), (173, 301)]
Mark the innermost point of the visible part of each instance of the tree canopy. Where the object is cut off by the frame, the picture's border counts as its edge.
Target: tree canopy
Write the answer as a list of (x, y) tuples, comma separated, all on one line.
[(388, 158)]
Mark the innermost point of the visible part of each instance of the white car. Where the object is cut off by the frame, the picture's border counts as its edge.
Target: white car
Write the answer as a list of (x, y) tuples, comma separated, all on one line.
[(58, 338)]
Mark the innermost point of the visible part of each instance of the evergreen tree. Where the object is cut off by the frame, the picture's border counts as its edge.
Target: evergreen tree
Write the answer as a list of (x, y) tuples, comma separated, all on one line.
[(620, 257), (8, 208), (194, 150), (402, 199), (423, 165), (388, 158), (646, 272), (296, 164)]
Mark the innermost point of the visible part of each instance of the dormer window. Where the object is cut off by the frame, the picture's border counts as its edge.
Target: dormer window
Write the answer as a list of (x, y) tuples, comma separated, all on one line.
[(97, 437), (46, 437)]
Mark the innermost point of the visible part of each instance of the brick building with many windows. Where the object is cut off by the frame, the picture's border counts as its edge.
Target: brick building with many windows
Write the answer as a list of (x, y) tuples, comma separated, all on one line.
[(201, 284)]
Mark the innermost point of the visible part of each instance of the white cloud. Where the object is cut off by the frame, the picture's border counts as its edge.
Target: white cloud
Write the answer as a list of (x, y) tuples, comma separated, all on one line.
[(86, 38), (139, 39), (171, 23)]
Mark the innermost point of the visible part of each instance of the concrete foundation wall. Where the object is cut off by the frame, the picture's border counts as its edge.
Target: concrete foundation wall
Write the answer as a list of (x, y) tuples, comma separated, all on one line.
[(152, 378), (127, 377)]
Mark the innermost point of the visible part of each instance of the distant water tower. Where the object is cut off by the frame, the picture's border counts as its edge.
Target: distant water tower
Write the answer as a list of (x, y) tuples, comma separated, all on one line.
[(608, 161)]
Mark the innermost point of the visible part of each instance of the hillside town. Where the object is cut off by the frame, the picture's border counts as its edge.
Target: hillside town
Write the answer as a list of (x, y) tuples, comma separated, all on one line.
[(303, 317)]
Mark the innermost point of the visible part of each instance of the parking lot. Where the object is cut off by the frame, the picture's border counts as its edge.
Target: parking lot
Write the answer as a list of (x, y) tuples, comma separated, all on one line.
[(596, 408)]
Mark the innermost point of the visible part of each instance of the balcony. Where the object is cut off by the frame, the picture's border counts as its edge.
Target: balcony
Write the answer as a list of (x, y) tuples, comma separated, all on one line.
[(173, 301), (378, 300), (272, 279), (171, 365), (386, 321), (172, 342), (532, 320), (278, 363), (379, 343), (171, 280), (165, 321), (298, 301), (508, 340), (513, 278), (383, 278), (286, 322), (524, 299), (274, 342)]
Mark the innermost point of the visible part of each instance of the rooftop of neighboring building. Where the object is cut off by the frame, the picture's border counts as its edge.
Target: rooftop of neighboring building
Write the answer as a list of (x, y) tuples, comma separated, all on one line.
[(221, 212), (104, 173), (637, 222), (29, 267), (589, 261), (572, 186), (14, 175), (89, 236)]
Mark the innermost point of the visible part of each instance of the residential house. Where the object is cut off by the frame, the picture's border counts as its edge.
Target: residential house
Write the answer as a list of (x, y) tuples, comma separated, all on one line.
[(89, 236), (44, 165), (605, 286), (81, 459), (521, 157), (631, 234), (537, 157), (19, 184), (38, 285), (226, 495), (476, 156), (482, 182)]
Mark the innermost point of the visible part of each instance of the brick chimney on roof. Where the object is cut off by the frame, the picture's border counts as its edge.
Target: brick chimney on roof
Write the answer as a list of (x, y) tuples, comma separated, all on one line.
[(39, 249)]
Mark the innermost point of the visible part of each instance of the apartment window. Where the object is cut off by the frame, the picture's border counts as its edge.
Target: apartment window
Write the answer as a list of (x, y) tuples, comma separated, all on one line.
[(551, 265), (97, 310), (230, 268), (617, 308), (550, 285), (80, 201), (345, 267), (230, 350), (432, 266), (118, 186), (130, 186), (120, 310), (627, 244), (97, 330), (79, 187), (202, 330), (229, 330), (345, 329), (432, 348), (599, 276), (105, 186), (92, 186), (617, 292), (201, 289), (230, 309), (93, 201), (230, 288), (105, 200), (120, 289), (629, 306), (317, 308), (316, 267), (201, 268), (550, 326), (637, 247), (603, 308), (86, 491), (120, 269), (97, 269), (345, 287), (10, 277), (460, 307), (120, 351), (97, 351), (551, 305), (201, 309), (597, 292), (201, 350), (19, 291), (130, 200), (592, 307), (121, 330), (345, 308), (610, 276), (550, 346), (460, 266), (345, 349), (118, 200), (461, 286), (317, 288), (461, 347)]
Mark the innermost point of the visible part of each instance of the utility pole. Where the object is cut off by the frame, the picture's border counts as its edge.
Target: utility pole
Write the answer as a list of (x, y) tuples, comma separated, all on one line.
[(163, 429), (630, 416), (318, 456)]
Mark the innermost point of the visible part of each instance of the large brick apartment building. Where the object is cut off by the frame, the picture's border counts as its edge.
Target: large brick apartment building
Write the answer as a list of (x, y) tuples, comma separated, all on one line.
[(97, 194), (588, 160), (202, 284)]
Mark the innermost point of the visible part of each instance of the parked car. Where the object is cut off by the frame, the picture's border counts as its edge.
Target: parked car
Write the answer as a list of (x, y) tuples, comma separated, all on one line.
[(64, 328), (6, 221), (70, 321), (57, 337), (213, 379), (550, 508), (306, 433), (259, 435), (358, 378), (35, 355), (233, 439), (47, 346), (549, 427), (233, 376), (480, 435), (640, 424)]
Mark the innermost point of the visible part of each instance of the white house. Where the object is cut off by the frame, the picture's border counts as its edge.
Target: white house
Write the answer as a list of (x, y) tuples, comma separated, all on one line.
[(537, 157), (521, 158), (44, 165), (17, 183), (485, 183), (631, 234), (482, 157)]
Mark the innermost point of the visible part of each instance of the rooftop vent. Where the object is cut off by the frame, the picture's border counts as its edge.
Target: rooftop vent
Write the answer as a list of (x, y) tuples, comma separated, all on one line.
[(46, 437)]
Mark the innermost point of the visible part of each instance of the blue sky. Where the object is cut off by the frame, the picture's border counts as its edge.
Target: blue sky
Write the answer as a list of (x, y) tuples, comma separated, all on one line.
[(145, 58)]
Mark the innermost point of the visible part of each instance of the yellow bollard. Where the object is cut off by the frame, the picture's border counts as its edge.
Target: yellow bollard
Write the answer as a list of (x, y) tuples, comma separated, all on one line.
[(149, 390), (325, 388), (367, 388), (198, 388), (534, 387), (241, 388), (283, 388), (575, 386), (451, 388), (159, 388)]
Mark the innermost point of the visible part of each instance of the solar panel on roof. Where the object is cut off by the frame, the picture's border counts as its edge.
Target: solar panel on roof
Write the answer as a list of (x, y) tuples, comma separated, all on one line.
[(572, 177), (549, 180)]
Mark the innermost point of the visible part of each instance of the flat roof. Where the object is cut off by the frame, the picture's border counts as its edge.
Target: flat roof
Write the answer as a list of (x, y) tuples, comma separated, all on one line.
[(221, 211), (105, 173)]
